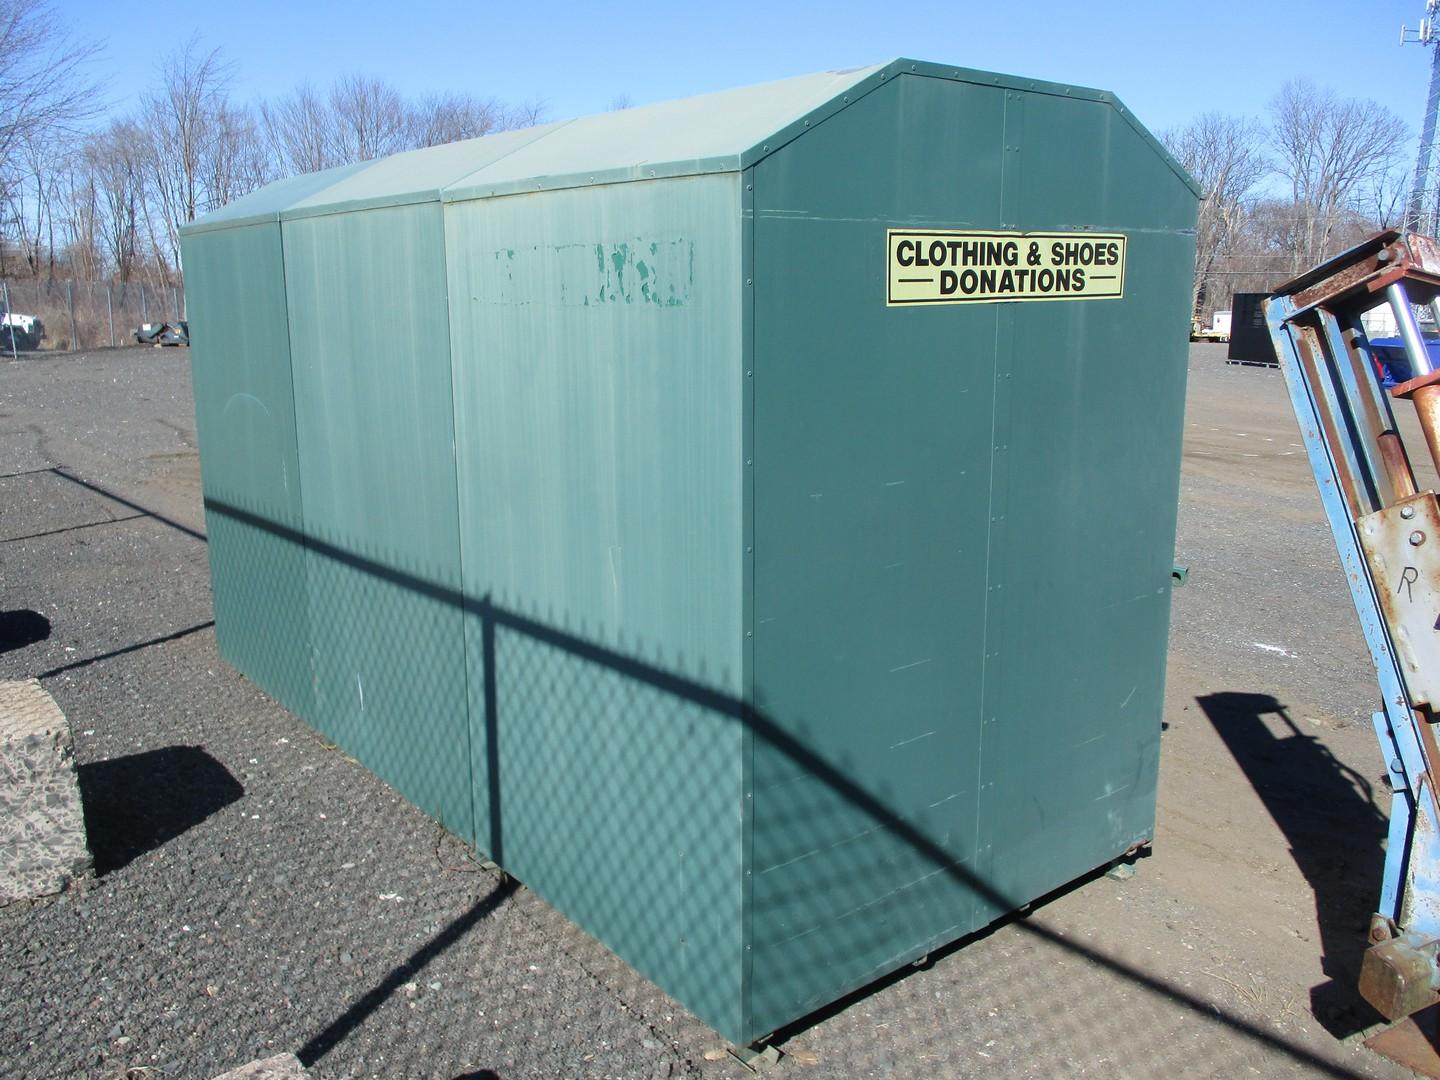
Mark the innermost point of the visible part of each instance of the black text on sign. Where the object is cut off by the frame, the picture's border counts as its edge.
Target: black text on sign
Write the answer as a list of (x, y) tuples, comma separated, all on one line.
[(933, 267)]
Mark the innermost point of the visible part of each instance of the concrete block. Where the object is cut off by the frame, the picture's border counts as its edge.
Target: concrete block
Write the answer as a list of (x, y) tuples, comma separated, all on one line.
[(42, 823), (279, 1067)]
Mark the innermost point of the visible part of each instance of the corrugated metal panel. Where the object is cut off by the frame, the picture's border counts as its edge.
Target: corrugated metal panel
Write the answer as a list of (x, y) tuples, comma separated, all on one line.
[(371, 346), (597, 396), (245, 422)]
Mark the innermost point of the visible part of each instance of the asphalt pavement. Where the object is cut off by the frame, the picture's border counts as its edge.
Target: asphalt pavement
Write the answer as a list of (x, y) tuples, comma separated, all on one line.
[(257, 891)]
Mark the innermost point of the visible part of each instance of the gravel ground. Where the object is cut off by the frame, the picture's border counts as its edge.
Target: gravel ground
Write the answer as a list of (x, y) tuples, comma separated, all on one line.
[(258, 892)]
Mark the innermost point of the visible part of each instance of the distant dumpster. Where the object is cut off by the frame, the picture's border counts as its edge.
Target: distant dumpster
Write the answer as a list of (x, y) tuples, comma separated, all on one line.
[(1250, 341), (747, 519)]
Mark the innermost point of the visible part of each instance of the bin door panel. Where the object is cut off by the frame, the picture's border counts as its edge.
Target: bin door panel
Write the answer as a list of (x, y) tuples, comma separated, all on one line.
[(245, 422), (871, 490), (597, 400), (1084, 539), (372, 388)]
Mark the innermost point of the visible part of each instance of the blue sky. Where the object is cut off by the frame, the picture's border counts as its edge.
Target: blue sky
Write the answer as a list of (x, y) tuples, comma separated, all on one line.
[(1167, 61)]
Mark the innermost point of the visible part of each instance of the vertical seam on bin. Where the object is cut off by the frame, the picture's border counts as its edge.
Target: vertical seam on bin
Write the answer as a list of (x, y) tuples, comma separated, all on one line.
[(474, 831), (1001, 479), (1003, 340), (299, 473), (747, 729), (985, 609)]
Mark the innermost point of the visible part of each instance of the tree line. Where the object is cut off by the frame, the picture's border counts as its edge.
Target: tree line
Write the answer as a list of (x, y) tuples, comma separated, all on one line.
[(90, 199), (1283, 192)]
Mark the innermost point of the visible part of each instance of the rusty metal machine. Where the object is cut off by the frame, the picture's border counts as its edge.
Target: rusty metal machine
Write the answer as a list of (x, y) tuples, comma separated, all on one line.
[(1387, 530)]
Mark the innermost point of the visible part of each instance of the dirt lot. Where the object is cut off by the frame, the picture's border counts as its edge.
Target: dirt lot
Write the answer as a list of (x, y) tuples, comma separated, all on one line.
[(259, 892)]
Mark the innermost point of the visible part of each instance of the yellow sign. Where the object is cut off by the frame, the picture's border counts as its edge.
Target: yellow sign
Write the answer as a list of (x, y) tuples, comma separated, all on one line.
[(931, 267)]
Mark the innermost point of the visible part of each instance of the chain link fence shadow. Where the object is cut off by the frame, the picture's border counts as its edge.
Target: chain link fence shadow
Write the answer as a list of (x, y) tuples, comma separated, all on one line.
[(570, 729)]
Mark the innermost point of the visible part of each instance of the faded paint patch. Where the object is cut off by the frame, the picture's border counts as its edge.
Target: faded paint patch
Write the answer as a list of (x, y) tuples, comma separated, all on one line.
[(660, 273)]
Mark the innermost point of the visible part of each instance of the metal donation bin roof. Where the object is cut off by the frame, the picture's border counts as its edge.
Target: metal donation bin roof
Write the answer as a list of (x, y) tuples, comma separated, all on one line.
[(719, 132)]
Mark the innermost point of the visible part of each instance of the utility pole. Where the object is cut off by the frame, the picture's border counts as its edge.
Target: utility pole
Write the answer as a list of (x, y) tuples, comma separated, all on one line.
[(1422, 212)]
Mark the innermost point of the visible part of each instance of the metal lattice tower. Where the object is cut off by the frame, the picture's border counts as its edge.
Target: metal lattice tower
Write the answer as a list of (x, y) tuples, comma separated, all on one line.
[(1422, 212)]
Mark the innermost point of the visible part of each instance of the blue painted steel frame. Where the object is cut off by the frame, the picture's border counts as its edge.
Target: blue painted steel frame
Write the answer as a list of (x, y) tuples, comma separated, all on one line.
[(1410, 888)]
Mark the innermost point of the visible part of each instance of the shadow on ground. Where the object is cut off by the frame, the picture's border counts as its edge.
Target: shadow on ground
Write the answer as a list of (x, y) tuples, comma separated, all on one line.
[(136, 803), (342, 1026), (21, 628), (1336, 833), (526, 641), (133, 804)]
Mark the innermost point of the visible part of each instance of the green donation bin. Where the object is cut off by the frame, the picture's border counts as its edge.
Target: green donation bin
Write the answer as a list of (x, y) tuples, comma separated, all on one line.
[(748, 519)]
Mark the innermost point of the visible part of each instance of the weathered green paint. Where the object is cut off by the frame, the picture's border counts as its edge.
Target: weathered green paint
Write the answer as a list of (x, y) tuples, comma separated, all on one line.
[(872, 472), (773, 635), (1082, 551), (245, 422), (368, 328), (597, 402), (964, 529)]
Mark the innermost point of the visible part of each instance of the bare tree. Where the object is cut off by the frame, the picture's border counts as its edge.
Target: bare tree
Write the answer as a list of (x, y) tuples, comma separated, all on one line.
[(81, 224), (1225, 156), (368, 119), (235, 157), (45, 86), (1329, 148), (180, 119), (1381, 199), (122, 198), (363, 118), (526, 114), (115, 163), (33, 196), (297, 129), (46, 92), (446, 118)]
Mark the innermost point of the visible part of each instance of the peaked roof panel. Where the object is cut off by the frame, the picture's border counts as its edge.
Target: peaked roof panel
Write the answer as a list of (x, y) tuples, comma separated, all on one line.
[(718, 132), (265, 204), (698, 134), (418, 175)]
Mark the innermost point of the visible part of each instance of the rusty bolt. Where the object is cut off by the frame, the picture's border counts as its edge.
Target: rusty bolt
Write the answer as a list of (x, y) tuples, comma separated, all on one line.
[(1417, 538), (1383, 255), (1407, 512), (1377, 933)]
